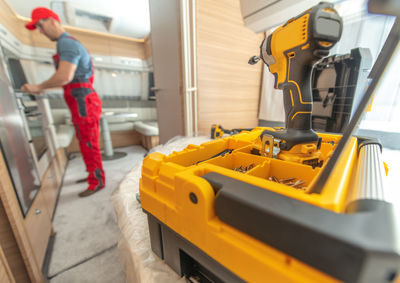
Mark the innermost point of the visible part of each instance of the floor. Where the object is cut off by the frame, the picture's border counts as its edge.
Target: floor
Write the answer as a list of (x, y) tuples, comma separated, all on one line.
[(85, 244)]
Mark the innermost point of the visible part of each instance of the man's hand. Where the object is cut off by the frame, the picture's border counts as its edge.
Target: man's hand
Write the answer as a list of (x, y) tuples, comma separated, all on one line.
[(32, 89)]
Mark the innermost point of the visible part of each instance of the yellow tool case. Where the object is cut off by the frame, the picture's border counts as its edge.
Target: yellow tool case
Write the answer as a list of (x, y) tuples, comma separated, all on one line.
[(277, 205), (225, 212)]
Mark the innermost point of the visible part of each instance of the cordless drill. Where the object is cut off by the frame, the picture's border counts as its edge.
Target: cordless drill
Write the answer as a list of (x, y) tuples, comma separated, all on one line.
[(217, 131), (290, 53)]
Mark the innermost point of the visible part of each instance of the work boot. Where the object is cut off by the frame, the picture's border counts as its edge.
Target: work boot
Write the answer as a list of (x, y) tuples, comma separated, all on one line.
[(88, 192)]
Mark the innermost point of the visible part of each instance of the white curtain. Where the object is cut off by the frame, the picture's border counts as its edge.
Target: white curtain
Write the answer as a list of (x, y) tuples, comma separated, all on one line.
[(107, 82), (385, 111), (119, 83), (370, 30), (360, 30), (145, 85)]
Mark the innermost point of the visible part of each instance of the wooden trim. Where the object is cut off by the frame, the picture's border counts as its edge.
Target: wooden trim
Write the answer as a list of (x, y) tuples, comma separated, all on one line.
[(97, 43), (97, 33), (52, 180), (38, 221), (11, 9), (10, 249), (148, 142), (147, 37), (147, 47), (26, 20), (9, 20), (124, 138), (13, 211), (5, 271)]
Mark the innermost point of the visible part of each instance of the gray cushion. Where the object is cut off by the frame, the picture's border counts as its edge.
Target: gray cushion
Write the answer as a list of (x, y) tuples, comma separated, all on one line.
[(126, 126), (65, 134), (149, 128)]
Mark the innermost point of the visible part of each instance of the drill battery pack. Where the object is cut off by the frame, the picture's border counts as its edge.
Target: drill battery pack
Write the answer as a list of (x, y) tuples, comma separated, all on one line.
[(225, 212), (338, 83)]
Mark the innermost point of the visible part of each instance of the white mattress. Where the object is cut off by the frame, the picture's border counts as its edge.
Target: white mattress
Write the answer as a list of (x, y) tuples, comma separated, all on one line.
[(139, 262)]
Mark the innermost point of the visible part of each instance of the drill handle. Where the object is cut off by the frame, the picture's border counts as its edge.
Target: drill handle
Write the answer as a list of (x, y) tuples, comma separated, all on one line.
[(297, 98)]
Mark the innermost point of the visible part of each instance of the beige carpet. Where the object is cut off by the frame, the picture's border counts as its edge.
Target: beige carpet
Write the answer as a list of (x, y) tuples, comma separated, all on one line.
[(87, 232)]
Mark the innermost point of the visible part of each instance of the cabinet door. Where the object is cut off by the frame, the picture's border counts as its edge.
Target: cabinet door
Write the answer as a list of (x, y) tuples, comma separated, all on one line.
[(5, 271), (52, 179), (166, 54), (38, 226), (50, 187)]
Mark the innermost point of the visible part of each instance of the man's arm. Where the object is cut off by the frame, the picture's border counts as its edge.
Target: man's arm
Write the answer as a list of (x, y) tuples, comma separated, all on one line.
[(64, 74)]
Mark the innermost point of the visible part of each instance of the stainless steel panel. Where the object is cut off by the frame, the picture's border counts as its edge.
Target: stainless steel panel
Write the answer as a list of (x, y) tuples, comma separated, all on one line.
[(30, 113), (15, 145)]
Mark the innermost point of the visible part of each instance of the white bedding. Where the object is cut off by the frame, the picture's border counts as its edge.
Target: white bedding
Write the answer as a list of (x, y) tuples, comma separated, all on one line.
[(139, 262)]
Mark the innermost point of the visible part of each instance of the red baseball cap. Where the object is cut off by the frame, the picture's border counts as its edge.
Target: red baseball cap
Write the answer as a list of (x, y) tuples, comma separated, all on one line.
[(41, 13)]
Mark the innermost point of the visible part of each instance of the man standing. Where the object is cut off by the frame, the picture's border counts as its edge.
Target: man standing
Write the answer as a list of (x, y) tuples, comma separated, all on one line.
[(74, 72)]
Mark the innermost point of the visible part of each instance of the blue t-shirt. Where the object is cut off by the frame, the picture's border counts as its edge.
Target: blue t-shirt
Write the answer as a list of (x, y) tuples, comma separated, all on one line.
[(71, 50)]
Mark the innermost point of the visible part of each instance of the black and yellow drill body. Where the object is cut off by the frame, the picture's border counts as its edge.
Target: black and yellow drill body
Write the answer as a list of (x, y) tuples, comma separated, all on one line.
[(290, 53)]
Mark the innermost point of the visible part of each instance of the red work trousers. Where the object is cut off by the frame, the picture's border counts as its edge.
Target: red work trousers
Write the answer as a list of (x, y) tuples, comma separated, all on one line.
[(85, 107)]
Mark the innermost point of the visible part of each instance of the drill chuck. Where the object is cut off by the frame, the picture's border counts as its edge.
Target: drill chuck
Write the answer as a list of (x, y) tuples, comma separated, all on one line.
[(254, 60)]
